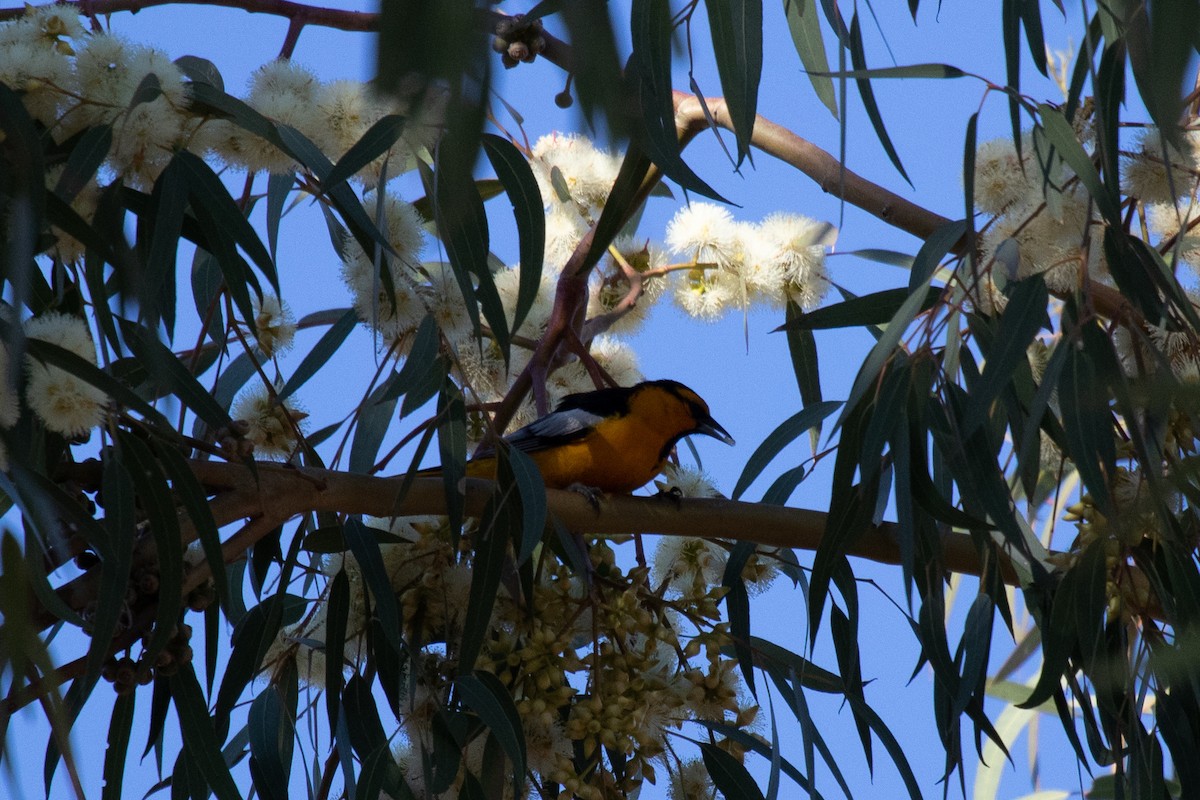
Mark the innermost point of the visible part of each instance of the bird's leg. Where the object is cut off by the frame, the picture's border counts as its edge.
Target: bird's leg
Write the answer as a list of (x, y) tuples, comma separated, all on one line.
[(590, 493)]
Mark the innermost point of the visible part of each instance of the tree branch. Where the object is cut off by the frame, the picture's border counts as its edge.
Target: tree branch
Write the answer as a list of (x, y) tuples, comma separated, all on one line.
[(283, 492), (825, 170)]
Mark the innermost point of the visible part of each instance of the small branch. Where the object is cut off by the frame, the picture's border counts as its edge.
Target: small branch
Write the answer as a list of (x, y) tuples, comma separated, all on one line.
[(822, 167), (295, 26)]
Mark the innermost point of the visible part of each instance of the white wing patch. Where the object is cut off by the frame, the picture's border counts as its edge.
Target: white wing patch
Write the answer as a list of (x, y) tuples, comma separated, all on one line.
[(559, 424), (547, 431)]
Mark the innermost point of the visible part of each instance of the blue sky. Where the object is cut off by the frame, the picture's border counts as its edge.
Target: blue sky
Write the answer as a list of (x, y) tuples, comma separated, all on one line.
[(749, 386)]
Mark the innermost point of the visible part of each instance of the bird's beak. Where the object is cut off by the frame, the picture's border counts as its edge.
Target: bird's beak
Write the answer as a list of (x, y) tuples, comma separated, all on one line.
[(709, 427)]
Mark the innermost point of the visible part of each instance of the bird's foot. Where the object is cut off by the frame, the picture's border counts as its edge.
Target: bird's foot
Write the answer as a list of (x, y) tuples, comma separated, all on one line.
[(590, 493), (672, 494)]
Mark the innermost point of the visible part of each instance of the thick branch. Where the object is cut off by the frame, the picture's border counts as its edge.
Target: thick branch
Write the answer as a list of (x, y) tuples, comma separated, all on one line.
[(337, 18), (282, 493)]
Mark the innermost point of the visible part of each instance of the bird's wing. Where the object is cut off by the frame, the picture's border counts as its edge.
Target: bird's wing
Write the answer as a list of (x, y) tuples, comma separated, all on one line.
[(556, 428)]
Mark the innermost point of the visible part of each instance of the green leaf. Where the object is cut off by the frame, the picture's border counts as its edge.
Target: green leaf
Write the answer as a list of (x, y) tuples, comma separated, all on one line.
[(522, 188), (514, 467), (24, 178), (378, 139), (118, 745), (147, 91), (756, 745), (362, 543), (156, 500), (322, 351), (271, 733), (1031, 17), (199, 740), (87, 155), (650, 68), (890, 257), (600, 87), (737, 30), (868, 95), (116, 558), (169, 202), (805, 28), (452, 447), (781, 490), (802, 347), (729, 776), (200, 70), (876, 308), (166, 369), (621, 205), (935, 248), (881, 731), (1060, 134), (499, 525), (209, 196), (781, 437), (908, 71), (462, 226), (194, 498), (484, 694), (337, 612), (883, 349), (252, 636), (1159, 54), (374, 419), (1087, 420), (737, 608), (278, 187), (1019, 324)]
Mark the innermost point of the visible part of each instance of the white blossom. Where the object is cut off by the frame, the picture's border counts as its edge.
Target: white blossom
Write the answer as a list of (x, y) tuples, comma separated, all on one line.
[(65, 403)]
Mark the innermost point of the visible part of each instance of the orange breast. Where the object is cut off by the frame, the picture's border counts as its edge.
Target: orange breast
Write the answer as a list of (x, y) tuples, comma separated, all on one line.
[(618, 456)]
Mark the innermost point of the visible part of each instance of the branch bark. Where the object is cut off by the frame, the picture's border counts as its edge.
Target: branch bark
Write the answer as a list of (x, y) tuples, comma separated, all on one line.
[(281, 493)]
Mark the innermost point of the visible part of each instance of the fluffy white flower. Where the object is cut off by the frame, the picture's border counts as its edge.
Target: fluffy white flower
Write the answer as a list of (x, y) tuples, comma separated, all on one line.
[(445, 301), (40, 70), (572, 162), (761, 273), (349, 110), (65, 403), (795, 245), (1145, 172), (611, 286), (688, 482), (1165, 221), (706, 294), (110, 71), (283, 91), (691, 782), (398, 316), (1001, 178), (272, 425), (689, 566), (564, 229), (508, 284), (274, 325), (1049, 243), (705, 232), (615, 357)]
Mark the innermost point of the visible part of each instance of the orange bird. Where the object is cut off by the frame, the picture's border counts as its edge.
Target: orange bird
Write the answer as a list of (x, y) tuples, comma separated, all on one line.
[(614, 440)]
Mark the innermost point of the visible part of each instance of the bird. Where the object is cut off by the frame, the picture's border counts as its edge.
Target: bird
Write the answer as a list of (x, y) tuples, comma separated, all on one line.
[(611, 440)]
